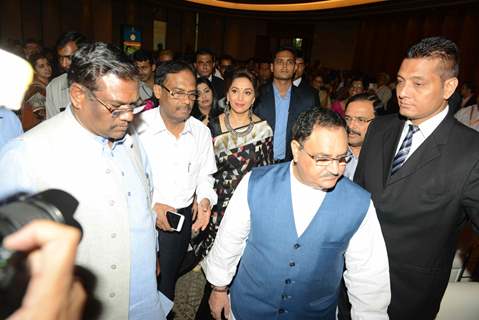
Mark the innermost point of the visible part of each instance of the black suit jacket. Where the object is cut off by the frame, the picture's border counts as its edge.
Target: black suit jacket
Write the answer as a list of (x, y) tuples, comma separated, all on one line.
[(265, 108), (422, 207), (304, 85), (219, 87)]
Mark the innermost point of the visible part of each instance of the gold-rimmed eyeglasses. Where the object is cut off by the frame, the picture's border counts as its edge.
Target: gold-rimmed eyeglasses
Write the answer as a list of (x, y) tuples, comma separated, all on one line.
[(117, 111)]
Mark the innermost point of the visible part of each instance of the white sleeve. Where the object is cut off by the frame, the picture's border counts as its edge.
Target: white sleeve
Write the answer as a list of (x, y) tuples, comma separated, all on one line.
[(221, 263), (367, 271), (205, 182), (50, 107)]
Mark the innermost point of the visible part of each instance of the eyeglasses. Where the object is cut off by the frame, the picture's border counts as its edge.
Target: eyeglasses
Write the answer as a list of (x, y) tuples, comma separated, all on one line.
[(178, 94), (326, 161), (361, 120), (117, 111)]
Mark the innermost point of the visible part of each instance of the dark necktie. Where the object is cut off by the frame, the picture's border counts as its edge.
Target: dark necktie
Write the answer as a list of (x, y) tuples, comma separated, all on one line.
[(401, 156)]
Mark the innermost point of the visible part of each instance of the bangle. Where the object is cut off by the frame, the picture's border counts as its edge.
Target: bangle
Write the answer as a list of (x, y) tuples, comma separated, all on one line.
[(220, 289)]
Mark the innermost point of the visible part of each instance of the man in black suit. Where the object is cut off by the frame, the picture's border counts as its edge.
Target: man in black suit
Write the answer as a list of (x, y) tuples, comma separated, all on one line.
[(300, 79), (280, 103), (422, 169), (204, 65)]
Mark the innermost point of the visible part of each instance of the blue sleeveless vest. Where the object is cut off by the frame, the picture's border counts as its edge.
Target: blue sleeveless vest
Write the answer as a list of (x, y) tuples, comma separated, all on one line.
[(281, 276)]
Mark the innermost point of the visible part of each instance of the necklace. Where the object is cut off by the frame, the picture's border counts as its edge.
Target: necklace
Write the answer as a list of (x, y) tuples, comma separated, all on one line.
[(235, 132)]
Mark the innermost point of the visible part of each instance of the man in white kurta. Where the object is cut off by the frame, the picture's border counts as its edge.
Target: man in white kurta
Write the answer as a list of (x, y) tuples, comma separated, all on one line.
[(88, 152)]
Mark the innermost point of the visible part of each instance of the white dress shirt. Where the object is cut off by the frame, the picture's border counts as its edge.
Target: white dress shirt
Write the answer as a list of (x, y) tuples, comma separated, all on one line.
[(425, 130), (297, 82), (367, 274), (181, 166)]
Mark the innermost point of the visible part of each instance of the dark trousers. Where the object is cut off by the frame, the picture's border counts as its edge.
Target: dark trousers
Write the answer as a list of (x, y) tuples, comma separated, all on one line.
[(204, 312), (172, 251), (344, 307)]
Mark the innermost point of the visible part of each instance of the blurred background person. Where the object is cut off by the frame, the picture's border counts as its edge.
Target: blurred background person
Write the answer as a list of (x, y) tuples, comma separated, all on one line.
[(58, 96), (30, 47), (468, 94), (33, 109), (469, 116), (264, 72), (205, 107)]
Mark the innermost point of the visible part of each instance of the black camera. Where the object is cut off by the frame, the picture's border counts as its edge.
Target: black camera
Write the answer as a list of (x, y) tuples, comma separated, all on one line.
[(15, 212)]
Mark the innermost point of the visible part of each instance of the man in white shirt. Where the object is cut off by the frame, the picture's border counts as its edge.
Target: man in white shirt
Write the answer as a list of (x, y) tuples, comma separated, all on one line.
[(359, 113), (58, 96), (180, 151), (293, 225), (89, 151)]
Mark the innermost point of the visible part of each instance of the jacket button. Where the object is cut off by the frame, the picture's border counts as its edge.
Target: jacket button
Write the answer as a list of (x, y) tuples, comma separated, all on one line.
[(284, 296), (287, 281), (281, 310), (112, 294), (297, 245), (292, 264)]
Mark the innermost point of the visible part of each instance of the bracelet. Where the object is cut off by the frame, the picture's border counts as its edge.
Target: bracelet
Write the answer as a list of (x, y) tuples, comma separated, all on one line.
[(220, 289)]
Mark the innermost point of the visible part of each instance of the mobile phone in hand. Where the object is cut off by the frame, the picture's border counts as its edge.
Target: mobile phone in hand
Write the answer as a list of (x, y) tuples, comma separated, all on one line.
[(175, 220)]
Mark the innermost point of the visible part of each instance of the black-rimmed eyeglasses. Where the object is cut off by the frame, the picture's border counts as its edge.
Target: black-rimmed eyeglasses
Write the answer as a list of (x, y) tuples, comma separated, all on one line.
[(321, 161), (179, 94)]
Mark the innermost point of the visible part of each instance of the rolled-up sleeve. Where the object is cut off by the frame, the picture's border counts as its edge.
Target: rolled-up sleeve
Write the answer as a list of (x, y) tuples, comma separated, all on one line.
[(221, 263), (205, 180)]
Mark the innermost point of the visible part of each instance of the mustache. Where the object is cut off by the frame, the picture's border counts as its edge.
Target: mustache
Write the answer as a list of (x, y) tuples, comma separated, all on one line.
[(353, 131)]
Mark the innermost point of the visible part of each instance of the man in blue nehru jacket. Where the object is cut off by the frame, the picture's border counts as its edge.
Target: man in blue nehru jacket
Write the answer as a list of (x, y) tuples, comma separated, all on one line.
[(296, 227)]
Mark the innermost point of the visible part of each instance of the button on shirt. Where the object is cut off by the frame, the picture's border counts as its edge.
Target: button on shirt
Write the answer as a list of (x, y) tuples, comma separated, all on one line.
[(281, 107), (181, 166), (144, 303), (10, 126)]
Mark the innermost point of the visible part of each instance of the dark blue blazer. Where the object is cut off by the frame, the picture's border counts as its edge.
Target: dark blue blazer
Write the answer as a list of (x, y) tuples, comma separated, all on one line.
[(301, 100)]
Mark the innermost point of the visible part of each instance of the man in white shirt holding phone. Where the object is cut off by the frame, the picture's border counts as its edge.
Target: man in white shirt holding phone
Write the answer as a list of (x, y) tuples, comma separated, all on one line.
[(180, 151)]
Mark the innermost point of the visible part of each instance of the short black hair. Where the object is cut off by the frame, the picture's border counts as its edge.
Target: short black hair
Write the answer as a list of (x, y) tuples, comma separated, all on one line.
[(227, 57), (66, 37), (285, 48), (204, 51), (92, 61), (170, 67), (304, 125), (376, 102), (470, 85), (441, 48), (31, 40), (35, 57), (142, 55)]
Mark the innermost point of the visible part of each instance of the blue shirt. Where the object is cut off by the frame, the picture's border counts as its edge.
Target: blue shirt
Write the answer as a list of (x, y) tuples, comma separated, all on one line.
[(143, 292), (281, 107), (10, 126)]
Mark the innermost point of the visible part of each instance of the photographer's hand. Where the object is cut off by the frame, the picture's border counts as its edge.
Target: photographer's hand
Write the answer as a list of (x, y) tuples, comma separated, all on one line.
[(52, 292)]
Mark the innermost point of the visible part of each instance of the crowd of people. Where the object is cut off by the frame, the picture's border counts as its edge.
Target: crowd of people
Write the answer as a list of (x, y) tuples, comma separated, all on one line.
[(252, 156)]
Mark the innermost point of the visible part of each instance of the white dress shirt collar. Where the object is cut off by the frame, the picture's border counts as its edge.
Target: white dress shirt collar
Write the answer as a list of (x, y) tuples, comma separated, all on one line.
[(152, 121), (428, 126)]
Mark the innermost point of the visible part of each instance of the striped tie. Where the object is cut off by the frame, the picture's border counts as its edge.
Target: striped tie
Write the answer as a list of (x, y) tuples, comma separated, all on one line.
[(401, 156)]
